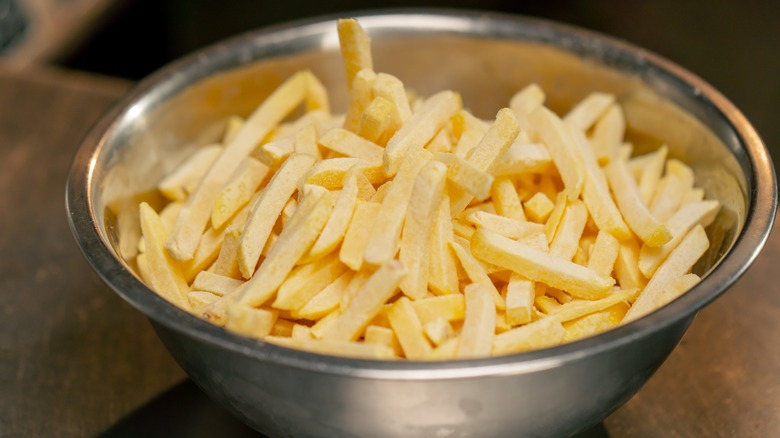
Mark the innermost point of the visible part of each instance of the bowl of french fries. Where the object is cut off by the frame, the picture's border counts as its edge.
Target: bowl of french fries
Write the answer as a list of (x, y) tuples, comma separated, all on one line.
[(421, 223)]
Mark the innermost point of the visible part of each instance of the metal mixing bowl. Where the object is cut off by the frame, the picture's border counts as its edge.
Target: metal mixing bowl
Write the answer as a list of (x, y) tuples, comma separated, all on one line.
[(552, 392)]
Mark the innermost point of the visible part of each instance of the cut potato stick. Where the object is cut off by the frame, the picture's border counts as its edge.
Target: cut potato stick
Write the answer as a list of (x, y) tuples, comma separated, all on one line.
[(306, 142), (594, 323), (357, 235), (248, 321), (675, 288), (449, 307), (679, 262), (425, 200), (267, 209), (325, 301), (377, 121), (382, 285), (174, 186), (293, 295), (378, 335), (355, 48), (519, 300), (505, 199), (626, 266), (671, 190), (651, 173), (392, 89), (438, 331), (461, 173), (237, 193), (227, 260), (563, 149), (316, 95), (476, 272), (588, 110), (232, 126), (639, 219), (420, 129), (408, 329), (354, 287), (511, 228), (337, 225), (273, 153), (603, 253), (579, 308), (688, 216), (545, 332), (479, 323), (197, 211), (383, 241), (294, 241), (198, 299), (539, 266), (608, 134), (330, 173), (538, 208), (526, 101), (359, 98), (216, 284), (523, 158), (442, 269), (163, 275), (567, 237), (352, 145)]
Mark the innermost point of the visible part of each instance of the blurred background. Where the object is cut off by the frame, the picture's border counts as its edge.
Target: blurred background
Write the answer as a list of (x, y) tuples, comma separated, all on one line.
[(732, 44)]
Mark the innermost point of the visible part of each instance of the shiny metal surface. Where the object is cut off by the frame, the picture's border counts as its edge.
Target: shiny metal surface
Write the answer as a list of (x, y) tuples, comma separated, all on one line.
[(557, 391)]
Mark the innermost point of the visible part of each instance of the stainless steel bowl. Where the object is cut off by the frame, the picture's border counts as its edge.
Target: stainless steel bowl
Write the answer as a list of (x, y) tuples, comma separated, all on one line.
[(552, 392)]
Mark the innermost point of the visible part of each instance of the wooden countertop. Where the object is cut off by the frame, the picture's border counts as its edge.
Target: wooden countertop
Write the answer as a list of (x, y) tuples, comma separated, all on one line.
[(76, 360)]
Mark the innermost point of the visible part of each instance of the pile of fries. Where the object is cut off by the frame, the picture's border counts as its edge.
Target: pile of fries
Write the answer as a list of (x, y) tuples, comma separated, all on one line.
[(409, 228)]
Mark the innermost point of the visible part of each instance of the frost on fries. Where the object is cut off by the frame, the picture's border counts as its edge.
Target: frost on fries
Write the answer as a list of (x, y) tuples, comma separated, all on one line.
[(410, 228)]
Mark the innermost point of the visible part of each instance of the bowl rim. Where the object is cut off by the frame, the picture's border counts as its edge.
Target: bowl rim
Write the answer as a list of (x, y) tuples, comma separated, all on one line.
[(761, 185)]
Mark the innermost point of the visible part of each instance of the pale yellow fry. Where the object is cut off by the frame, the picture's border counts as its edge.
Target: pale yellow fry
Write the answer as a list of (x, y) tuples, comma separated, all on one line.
[(420, 129), (408, 329), (595, 194), (354, 287), (174, 185), (479, 324), (579, 308), (382, 285), (293, 295), (237, 193), (377, 121), (336, 348), (604, 253), (293, 242), (355, 47), (567, 237), (327, 300), (215, 283), (467, 141), (441, 142), (671, 190), (535, 240), (512, 228), (526, 101), (689, 215), (626, 266), (208, 250), (438, 331), (563, 149), (442, 269), (462, 230), (425, 200), (506, 200), (321, 327), (337, 225), (330, 173), (464, 121), (382, 243), (538, 208), (608, 134), (227, 260), (545, 332), (164, 276), (248, 321), (539, 266), (679, 263), (445, 351), (676, 288), (554, 220), (392, 89), (197, 210), (306, 142), (378, 335), (547, 304), (357, 235), (594, 323), (352, 145), (316, 94), (588, 110), (519, 300), (366, 190), (559, 295), (464, 175), (267, 209), (287, 212), (651, 173), (476, 272), (523, 158), (300, 331), (693, 195), (636, 214), (359, 98), (274, 153), (232, 126), (198, 299)]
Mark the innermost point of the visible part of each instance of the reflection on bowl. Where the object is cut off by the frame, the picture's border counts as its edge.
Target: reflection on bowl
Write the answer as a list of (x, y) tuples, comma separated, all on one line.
[(551, 392)]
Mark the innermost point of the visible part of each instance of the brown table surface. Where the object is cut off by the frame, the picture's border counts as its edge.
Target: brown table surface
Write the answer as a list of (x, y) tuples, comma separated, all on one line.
[(75, 360)]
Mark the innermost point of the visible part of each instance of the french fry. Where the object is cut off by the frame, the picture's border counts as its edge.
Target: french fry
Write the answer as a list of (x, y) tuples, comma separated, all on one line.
[(420, 129), (442, 269), (324, 324), (526, 101), (626, 266), (330, 173), (248, 321), (639, 219), (377, 122), (163, 275), (542, 333), (679, 262), (604, 253), (476, 272), (588, 110), (579, 308), (198, 299), (563, 149), (327, 300), (438, 331), (316, 94), (450, 307), (214, 283), (608, 134), (567, 237), (594, 323), (554, 220), (476, 337), (273, 153), (464, 175), (352, 145), (294, 295), (512, 228), (378, 335), (197, 211), (688, 216), (359, 98), (227, 260), (306, 142), (441, 142), (538, 208), (408, 329), (174, 186), (392, 89), (539, 266), (232, 126), (354, 287), (337, 225), (523, 158), (382, 243), (356, 236), (287, 213), (355, 48), (426, 197), (675, 288), (300, 331), (382, 285), (267, 208), (237, 193), (519, 300), (505, 199), (671, 189), (651, 173)]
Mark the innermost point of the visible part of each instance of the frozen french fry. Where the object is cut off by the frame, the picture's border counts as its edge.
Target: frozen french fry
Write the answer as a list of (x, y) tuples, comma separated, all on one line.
[(442, 269), (174, 186), (352, 145), (336, 227), (355, 48), (589, 110), (476, 272), (237, 193), (479, 323), (542, 333), (563, 149)]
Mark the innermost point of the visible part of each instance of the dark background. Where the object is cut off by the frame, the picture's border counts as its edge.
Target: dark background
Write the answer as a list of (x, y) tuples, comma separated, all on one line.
[(731, 44)]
